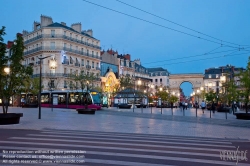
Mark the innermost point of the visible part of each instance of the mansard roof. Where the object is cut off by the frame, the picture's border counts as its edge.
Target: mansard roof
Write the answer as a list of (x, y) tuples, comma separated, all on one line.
[(58, 25)]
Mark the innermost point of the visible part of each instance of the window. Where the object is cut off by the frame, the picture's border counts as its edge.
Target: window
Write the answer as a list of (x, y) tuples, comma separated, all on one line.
[(82, 62), (87, 52), (217, 75), (70, 71), (82, 50), (52, 33), (92, 53), (65, 71), (155, 80), (97, 64), (76, 48), (70, 35), (64, 33), (93, 64), (52, 45), (71, 60), (87, 62), (160, 79), (65, 84), (70, 47), (209, 76), (65, 46)]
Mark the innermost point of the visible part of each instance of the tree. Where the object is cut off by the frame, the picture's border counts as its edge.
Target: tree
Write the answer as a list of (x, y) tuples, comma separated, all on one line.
[(125, 82), (244, 77), (31, 85), (173, 99), (11, 83), (210, 96), (163, 95)]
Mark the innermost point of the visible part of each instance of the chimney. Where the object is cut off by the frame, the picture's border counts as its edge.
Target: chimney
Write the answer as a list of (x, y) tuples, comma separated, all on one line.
[(36, 25), (77, 27), (63, 23), (25, 32), (90, 32), (46, 20)]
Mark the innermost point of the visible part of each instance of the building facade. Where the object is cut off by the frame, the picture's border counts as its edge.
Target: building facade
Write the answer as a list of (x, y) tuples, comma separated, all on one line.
[(159, 76), (212, 77), (73, 49)]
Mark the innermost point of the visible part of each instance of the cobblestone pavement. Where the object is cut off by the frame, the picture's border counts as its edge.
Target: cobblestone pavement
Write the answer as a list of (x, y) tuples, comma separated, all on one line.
[(112, 120)]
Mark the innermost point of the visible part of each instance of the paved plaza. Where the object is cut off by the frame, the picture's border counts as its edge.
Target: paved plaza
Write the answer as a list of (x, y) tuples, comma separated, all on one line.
[(122, 137)]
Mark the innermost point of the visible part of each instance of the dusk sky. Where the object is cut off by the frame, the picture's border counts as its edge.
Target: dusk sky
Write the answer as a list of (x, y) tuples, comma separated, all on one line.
[(227, 21)]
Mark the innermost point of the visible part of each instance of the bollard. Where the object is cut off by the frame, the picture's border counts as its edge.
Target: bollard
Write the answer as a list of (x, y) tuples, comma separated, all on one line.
[(184, 112), (226, 114), (172, 111), (161, 109), (196, 110), (151, 109), (142, 109), (210, 113)]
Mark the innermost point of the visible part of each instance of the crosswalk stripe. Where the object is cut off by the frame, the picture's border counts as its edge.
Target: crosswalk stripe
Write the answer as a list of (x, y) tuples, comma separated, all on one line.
[(142, 138), (126, 149), (132, 141), (114, 143)]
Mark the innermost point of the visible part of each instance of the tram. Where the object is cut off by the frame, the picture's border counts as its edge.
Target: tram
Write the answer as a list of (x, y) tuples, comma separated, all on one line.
[(71, 99)]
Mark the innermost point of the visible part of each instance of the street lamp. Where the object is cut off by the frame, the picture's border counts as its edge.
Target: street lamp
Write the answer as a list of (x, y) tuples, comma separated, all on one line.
[(40, 86), (160, 88), (139, 83), (52, 66), (198, 91)]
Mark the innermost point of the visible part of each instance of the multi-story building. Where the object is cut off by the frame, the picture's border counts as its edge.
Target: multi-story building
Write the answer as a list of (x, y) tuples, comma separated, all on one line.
[(212, 76), (73, 49), (159, 76)]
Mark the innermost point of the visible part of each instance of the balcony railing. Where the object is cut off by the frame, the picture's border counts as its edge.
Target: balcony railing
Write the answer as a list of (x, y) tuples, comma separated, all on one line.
[(88, 67), (65, 62), (98, 68), (47, 48), (52, 75), (77, 64), (61, 36)]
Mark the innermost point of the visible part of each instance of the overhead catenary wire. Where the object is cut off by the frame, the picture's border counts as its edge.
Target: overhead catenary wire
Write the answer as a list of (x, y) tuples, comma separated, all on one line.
[(160, 25), (223, 56), (207, 53), (178, 24)]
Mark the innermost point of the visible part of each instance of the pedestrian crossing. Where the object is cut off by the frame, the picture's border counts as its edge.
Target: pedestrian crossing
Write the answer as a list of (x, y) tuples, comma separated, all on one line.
[(92, 148)]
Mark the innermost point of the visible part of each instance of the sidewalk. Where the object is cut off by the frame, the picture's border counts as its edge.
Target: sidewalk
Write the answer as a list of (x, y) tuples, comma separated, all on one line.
[(125, 121), (189, 115)]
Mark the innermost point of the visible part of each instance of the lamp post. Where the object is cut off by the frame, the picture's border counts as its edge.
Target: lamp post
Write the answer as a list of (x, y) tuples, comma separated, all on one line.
[(53, 66), (7, 71), (40, 86), (223, 80), (152, 86)]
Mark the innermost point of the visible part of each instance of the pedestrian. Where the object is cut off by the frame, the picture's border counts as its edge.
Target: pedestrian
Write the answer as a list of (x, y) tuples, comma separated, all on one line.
[(213, 107), (196, 105), (203, 106), (186, 105)]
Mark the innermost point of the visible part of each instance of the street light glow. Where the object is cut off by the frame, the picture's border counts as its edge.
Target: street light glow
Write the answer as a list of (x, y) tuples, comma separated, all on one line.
[(139, 82), (7, 70)]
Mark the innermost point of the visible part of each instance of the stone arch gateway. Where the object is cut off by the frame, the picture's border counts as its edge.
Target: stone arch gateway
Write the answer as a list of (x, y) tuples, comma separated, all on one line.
[(175, 81)]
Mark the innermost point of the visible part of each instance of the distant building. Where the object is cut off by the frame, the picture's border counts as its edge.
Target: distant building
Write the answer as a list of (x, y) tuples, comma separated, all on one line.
[(159, 76), (212, 76)]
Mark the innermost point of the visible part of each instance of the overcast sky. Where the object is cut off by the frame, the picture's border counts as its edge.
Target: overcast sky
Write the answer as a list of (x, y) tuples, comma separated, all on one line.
[(151, 40)]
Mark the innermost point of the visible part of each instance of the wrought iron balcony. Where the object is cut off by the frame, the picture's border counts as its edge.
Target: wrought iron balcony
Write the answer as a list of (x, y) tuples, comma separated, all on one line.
[(48, 48), (61, 36), (77, 64), (88, 67), (98, 68)]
